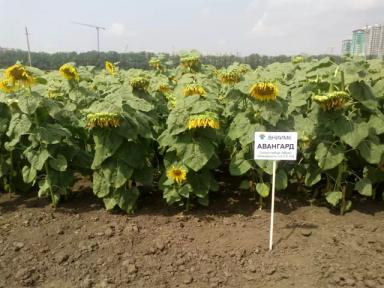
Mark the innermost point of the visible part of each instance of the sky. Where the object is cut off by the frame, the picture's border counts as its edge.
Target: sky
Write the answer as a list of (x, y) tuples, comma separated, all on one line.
[(268, 27)]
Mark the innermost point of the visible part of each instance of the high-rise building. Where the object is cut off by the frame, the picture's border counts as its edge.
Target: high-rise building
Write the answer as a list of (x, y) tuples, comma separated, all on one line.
[(358, 42), (346, 46), (374, 40)]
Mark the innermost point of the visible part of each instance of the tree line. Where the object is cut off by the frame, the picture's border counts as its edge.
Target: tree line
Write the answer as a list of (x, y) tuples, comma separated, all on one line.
[(52, 61)]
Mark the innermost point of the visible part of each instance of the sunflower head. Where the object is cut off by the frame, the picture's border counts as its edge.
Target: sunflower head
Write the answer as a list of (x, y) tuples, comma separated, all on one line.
[(203, 121), (297, 59), (177, 173), (17, 74), (69, 72), (155, 63), (6, 86), (139, 82), (230, 77), (332, 100), (163, 88), (103, 120), (190, 60), (194, 89), (111, 69), (264, 91)]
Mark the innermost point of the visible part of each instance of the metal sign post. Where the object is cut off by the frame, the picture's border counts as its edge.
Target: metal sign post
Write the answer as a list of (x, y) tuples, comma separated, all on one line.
[(275, 146)]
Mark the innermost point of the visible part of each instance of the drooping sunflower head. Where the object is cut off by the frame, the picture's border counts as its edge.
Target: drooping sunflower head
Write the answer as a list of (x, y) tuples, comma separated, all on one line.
[(230, 77), (69, 72), (233, 73), (163, 88), (297, 59), (332, 100), (194, 89), (264, 91), (17, 74), (203, 120), (139, 82), (6, 86), (155, 63), (103, 120), (111, 69), (190, 60), (177, 173)]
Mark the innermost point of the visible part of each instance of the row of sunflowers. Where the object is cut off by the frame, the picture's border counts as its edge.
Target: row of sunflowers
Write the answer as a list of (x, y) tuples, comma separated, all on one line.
[(181, 127)]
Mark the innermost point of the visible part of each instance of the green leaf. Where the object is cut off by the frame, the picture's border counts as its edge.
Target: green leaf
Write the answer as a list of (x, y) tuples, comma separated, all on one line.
[(364, 187), (125, 199), (37, 158), (196, 154), (239, 165), (334, 197), (106, 144), (371, 151), (281, 180), (377, 123), (312, 176), (29, 104), (144, 175), (363, 94), (244, 185), (101, 183), (29, 174), (350, 132), (52, 133), (123, 174), (263, 189), (44, 189), (171, 196), (328, 156), (59, 163), (132, 153), (18, 126), (185, 190)]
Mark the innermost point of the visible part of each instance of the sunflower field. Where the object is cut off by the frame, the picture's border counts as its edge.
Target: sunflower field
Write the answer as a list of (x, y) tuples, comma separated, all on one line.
[(174, 129)]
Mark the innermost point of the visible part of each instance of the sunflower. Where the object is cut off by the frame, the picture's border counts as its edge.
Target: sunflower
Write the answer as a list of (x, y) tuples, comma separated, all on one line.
[(103, 120), (189, 61), (6, 86), (17, 74), (264, 91), (69, 72), (230, 77), (111, 69), (139, 82), (203, 121), (155, 63), (193, 89), (297, 59), (163, 88), (332, 100), (177, 173)]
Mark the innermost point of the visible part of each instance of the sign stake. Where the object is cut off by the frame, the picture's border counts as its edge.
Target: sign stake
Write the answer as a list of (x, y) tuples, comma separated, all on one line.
[(275, 146), (272, 205)]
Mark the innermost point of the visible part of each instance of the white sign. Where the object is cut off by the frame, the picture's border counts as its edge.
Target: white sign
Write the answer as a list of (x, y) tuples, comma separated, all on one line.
[(275, 146)]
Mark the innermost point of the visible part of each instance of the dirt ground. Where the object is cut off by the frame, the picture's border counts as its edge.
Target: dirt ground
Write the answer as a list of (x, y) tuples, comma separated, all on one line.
[(79, 244)]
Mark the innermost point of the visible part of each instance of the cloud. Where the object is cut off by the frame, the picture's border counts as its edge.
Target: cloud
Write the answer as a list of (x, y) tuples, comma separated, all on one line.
[(120, 30), (117, 29), (365, 5), (206, 11)]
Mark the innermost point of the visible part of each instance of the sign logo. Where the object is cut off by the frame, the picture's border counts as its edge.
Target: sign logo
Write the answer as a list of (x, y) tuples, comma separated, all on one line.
[(262, 136)]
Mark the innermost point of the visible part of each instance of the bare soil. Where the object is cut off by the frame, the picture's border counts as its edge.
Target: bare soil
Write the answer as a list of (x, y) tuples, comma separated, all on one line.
[(80, 244)]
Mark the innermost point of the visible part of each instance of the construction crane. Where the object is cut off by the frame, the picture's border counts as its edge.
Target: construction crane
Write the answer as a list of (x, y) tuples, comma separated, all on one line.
[(97, 32)]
